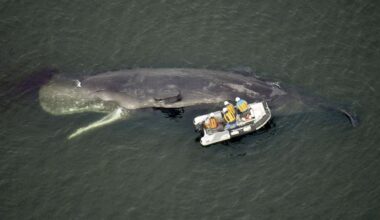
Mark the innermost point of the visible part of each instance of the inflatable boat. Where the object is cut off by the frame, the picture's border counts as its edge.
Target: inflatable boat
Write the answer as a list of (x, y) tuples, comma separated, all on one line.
[(259, 114)]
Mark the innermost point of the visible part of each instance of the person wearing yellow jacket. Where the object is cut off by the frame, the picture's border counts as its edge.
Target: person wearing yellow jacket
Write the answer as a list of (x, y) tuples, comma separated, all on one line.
[(230, 107), (230, 118), (211, 122)]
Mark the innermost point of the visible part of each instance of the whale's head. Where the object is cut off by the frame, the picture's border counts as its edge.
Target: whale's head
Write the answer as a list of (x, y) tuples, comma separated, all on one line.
[(67, 96)]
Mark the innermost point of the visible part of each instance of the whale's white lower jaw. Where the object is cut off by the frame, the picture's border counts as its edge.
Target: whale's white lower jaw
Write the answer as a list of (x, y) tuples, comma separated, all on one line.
[(116, 115)]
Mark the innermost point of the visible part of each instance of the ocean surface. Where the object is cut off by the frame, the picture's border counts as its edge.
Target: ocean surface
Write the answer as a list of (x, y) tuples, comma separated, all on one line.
[(151, 166)]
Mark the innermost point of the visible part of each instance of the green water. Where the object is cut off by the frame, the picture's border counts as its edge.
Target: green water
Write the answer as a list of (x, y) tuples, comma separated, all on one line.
[(307, 166)]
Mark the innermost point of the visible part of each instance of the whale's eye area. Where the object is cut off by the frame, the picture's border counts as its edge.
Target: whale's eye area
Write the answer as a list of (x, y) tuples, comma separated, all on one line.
[(168, 96)]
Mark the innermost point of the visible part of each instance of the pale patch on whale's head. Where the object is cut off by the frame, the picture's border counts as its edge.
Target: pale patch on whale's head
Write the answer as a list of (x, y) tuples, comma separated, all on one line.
[(64, 96)]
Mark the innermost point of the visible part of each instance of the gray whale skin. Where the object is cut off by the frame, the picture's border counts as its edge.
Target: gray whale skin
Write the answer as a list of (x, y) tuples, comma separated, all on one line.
[(118, 92)]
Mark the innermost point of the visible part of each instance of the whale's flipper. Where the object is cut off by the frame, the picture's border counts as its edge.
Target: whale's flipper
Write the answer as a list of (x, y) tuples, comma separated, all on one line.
[(116, 115)]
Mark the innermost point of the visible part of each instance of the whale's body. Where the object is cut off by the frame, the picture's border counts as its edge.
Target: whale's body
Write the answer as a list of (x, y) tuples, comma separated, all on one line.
[(119, 91)]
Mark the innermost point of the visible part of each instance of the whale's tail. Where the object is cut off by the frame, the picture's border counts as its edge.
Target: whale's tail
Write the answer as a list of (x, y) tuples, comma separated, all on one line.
[(317, 102), (352, 117), (328, 106)]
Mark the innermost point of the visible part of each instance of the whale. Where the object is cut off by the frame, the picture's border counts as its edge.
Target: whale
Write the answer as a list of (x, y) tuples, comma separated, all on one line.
[(117, 93)]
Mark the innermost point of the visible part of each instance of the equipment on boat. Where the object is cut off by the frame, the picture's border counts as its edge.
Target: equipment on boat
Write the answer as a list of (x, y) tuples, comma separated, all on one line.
[(259, 114)]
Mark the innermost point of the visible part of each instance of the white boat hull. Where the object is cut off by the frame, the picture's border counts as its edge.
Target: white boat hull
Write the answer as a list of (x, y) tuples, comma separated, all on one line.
[(259, 110)]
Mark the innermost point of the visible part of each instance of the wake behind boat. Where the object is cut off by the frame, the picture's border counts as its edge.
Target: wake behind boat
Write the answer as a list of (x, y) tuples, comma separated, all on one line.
[(258, 115)]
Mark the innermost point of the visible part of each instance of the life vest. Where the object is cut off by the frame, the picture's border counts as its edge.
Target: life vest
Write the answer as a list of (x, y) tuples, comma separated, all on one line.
[(231, 108), (229, 117), (212, 123), (242, 106)]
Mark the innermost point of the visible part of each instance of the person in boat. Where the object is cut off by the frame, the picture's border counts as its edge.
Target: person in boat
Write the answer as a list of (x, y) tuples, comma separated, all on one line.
[(211, 122), (243, 108), (230, 118), (230, 107)]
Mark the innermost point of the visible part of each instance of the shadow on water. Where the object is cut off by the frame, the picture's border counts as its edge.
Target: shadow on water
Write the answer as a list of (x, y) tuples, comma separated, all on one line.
[(171, 113), (279, 127), (25, 88)]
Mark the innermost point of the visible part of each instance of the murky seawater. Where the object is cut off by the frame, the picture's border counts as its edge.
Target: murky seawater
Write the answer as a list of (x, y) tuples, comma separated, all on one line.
[(306, 166)]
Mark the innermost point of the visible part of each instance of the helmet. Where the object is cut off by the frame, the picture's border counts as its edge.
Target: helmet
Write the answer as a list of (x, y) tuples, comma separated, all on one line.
[(237, 99), (212, 114), (226, 103), (224, 110)]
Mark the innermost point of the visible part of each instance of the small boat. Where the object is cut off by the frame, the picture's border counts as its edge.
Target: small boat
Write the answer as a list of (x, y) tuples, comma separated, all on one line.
[(259, 114)]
